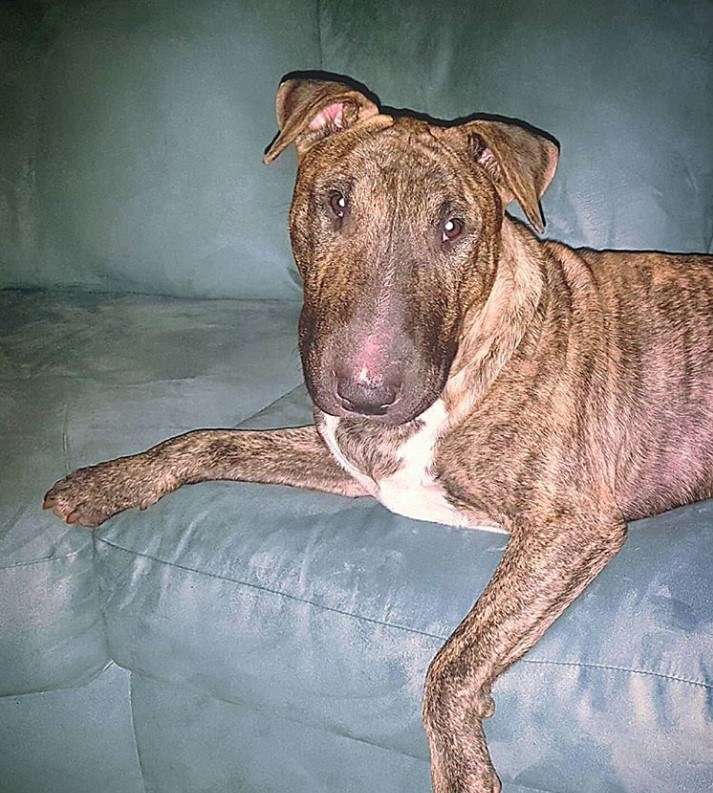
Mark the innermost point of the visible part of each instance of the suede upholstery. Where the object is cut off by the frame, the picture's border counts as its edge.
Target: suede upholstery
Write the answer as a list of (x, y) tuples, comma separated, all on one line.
[(239, 637)]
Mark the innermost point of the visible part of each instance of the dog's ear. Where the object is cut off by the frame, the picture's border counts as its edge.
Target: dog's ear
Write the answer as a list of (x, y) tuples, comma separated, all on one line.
[(520, 162), (309, 110)]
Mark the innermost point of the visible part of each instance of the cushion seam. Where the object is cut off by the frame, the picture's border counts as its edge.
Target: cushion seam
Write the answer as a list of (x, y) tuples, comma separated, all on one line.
[(615, 668), (137, 747), (45, 559)]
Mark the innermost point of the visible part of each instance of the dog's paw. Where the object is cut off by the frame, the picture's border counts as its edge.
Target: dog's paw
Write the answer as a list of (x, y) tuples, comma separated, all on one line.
[(488, 782), (89, 496), (466, 780)]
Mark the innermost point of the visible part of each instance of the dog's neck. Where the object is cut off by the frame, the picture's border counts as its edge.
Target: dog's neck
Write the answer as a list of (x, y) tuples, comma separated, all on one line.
[(494, 331)]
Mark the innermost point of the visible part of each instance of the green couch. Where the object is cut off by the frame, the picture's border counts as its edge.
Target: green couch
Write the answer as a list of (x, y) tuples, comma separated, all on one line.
[(258, 639)]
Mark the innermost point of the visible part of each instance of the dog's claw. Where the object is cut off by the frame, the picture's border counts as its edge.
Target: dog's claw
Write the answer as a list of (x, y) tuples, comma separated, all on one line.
[(65, 508)]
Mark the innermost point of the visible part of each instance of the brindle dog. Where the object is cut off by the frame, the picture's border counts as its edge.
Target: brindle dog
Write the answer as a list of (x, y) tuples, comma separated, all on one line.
[(467, 372)]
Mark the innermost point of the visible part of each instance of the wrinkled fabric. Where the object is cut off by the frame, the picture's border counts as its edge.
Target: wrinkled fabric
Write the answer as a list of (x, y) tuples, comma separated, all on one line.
[(84, 378)]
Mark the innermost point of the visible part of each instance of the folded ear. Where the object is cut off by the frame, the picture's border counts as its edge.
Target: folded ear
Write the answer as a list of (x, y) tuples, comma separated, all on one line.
[(520, 162), (308, 110)]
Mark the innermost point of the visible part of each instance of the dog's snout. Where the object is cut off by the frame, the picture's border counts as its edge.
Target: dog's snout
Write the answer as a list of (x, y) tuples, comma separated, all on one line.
[(366, 396)]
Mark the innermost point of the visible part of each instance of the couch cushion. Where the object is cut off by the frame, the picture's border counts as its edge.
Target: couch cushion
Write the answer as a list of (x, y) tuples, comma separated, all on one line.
[(132, 140), (83, 378), (327, 610), (225, 747)]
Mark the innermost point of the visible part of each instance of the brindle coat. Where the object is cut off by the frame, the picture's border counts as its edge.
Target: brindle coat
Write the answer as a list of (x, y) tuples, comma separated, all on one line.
[(463, 370)]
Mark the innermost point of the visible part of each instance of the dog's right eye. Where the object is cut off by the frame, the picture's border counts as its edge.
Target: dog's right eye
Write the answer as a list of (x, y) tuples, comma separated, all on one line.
[(451, 229), (338, 204)]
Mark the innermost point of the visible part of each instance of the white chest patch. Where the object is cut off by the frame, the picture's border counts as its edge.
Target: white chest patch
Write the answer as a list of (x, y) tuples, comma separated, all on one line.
[(412, 490)]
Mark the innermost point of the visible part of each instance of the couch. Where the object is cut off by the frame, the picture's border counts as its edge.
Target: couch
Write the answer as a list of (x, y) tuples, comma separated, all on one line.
[(240, 637)]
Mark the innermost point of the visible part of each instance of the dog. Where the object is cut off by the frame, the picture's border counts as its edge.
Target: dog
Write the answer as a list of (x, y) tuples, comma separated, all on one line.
[(463, 371)]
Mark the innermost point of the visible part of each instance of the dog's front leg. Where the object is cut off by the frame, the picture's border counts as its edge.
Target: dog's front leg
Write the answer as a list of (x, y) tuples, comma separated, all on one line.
[(298, 457), (549, 560)]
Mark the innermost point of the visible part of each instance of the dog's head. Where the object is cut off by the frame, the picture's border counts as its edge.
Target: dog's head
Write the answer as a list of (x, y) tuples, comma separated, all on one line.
[(395, 226)]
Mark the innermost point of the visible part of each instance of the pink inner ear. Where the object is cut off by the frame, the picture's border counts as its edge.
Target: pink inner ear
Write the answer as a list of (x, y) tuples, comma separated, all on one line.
[(489, 161), (331, 116)]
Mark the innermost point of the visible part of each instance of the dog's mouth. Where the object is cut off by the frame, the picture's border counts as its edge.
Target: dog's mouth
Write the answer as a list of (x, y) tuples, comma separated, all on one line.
[(391, 415)]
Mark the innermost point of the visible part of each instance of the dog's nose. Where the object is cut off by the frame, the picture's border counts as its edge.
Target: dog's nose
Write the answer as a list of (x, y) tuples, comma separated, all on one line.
[(367, 397)]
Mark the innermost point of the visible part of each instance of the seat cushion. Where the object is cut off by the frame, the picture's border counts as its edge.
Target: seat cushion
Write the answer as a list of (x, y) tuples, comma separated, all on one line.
[(79, 740), (86, 377), (326, 611)]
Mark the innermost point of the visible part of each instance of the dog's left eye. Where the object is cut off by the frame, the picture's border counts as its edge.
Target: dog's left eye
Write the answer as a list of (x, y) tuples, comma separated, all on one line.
[(337, 203), (451, 229)]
